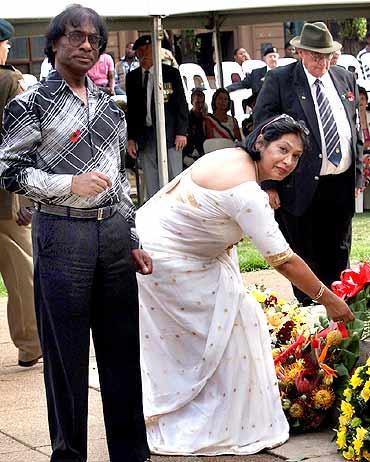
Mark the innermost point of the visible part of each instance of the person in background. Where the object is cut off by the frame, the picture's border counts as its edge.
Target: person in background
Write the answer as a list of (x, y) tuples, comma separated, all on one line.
[(16, 264), (241, 55), (63, 145), (141, 121), (126, 64), (220, 124), (315, 204), (334, 59), (194, 147), (364, 120), (290, 51), (255, 79), (102, 74), (361, 53)]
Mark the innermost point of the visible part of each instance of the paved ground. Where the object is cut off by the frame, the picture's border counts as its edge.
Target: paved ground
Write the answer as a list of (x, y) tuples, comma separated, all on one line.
[(23, 417)]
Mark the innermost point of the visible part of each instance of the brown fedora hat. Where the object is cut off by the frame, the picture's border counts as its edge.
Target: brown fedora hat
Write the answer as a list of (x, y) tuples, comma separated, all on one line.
[(316, 37)]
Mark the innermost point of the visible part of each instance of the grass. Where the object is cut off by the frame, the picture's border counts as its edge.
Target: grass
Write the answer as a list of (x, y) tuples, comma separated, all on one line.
[(251, 260)]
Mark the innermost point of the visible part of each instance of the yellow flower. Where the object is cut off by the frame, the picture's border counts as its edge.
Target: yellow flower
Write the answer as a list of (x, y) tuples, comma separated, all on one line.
[(259, 296), (275, 319), (347, 409), (334, 337), (328, 379), (281, 302), (342, 438), (343, 420), (296, 410), (347, 394), (365, 392), (358, 442), (368, 371), (368, 361), (323, 398), (355, 380), (292, 370), (350, 454)]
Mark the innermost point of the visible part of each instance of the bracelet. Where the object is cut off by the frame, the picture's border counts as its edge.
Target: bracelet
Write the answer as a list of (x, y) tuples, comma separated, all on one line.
[(319, 293)]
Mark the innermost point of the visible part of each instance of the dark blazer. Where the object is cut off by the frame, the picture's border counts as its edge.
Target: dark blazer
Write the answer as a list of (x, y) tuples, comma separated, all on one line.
[(254, 80), (175, 108), (286, 90)]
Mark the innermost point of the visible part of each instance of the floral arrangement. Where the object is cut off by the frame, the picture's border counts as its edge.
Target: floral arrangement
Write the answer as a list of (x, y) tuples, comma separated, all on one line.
[(354, 288), (353, 434), (313, 358), (366, 170)]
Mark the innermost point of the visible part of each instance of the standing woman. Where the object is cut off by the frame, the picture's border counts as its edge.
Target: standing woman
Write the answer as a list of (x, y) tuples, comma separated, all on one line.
[(209, 381), (220, 124)]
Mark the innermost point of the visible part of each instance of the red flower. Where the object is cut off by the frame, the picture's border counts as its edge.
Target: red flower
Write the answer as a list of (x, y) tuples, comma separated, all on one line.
[(350, 96), (351, 282), (306, 380), (75, 136)]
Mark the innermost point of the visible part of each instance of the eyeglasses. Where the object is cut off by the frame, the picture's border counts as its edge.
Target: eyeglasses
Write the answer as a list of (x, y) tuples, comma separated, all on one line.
[(317, 57), (300, 123), (77, 38)]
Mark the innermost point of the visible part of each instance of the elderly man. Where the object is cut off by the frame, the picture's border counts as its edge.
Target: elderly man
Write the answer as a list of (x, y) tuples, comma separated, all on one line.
[(63, 144), (16, 265), (141, 115), (315, 205), (255, 79)]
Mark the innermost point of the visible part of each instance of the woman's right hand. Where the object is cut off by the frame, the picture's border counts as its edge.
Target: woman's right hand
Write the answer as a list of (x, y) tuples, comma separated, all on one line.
[(337, 309), (274, 198)]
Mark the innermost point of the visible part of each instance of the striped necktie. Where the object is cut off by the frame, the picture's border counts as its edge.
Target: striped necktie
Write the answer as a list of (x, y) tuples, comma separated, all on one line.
[(329, 126)]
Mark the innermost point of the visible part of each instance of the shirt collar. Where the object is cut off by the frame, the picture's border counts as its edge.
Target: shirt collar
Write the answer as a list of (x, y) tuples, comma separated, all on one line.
[(312, 79), (57, 84)]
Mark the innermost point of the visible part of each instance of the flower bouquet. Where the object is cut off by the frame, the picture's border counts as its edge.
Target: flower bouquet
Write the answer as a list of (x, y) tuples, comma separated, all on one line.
[(312, 358), (353, 434)]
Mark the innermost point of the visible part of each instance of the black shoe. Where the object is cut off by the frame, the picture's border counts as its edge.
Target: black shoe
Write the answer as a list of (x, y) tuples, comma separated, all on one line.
[(29, 363)]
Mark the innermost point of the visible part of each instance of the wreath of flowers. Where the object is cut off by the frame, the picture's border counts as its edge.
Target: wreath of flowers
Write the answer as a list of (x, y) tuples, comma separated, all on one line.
[(353, 433), (313, 358)]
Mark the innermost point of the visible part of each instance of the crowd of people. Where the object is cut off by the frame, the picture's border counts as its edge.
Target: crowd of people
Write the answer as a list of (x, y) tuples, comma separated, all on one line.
[(198, 372)]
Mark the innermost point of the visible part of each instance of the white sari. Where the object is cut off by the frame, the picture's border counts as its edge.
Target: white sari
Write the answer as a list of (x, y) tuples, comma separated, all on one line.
[(209, 382)]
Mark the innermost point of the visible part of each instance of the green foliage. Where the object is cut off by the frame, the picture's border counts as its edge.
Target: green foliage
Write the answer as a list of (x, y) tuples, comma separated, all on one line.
[(353, 29), (251, 260), (3, 292)]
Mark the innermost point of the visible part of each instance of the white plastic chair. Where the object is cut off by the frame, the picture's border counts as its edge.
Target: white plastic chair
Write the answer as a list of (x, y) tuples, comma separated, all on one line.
[(193, 76), (285, 61), (347, 61), (250, 64), (29, 80), (238, 97), (213, 144), (229, 68)]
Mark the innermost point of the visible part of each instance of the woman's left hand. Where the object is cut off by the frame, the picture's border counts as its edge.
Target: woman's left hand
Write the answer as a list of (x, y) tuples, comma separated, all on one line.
[(142, 261)]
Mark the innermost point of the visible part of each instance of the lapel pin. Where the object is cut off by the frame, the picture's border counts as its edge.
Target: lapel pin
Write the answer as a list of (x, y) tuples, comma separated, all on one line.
[(303, 97)]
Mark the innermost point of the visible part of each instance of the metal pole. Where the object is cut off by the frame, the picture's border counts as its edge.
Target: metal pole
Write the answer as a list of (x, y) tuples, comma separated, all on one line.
[(160, 124), (218, 51)]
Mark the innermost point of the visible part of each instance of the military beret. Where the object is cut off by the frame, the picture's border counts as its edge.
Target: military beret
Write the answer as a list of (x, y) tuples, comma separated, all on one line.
[(6, 30), (269, 50), (141, 41)]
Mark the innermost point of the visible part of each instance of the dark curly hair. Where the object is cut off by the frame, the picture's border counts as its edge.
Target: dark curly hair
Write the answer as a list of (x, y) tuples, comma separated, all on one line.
[(273, 129), (74, 15), (215, 95)]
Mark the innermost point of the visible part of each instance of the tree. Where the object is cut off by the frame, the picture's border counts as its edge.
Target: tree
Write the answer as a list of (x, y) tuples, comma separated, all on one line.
[(352, 34)]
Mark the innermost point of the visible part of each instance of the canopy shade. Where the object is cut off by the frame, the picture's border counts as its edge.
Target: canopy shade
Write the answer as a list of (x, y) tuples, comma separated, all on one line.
[(32, 17)]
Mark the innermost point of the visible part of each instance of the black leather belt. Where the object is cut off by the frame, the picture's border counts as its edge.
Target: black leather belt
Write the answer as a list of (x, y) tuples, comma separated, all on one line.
[(86, 214)]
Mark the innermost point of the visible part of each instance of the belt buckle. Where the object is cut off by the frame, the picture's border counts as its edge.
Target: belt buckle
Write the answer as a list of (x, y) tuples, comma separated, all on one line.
[(100, 214)]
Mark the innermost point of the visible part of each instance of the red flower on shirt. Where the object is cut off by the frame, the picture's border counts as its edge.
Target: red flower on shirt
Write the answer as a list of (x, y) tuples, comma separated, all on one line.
[(75, 136), (350, 96)]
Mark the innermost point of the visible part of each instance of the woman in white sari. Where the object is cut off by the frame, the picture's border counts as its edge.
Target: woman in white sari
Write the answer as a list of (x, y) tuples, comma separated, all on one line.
[(209, 383)]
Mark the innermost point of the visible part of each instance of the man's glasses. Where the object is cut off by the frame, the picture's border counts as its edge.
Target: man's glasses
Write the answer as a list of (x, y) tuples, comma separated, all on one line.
[(317, 57), (77, 38)]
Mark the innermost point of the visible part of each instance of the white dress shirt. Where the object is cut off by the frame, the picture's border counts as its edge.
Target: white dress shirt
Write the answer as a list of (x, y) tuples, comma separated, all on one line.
[(340, 117), (148, 120)]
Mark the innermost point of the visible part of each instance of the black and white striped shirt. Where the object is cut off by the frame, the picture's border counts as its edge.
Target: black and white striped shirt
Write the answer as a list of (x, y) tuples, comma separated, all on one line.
[(50, 135)]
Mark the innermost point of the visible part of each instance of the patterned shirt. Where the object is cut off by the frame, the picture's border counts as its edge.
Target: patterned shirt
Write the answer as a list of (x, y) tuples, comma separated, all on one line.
[(50, 135)]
